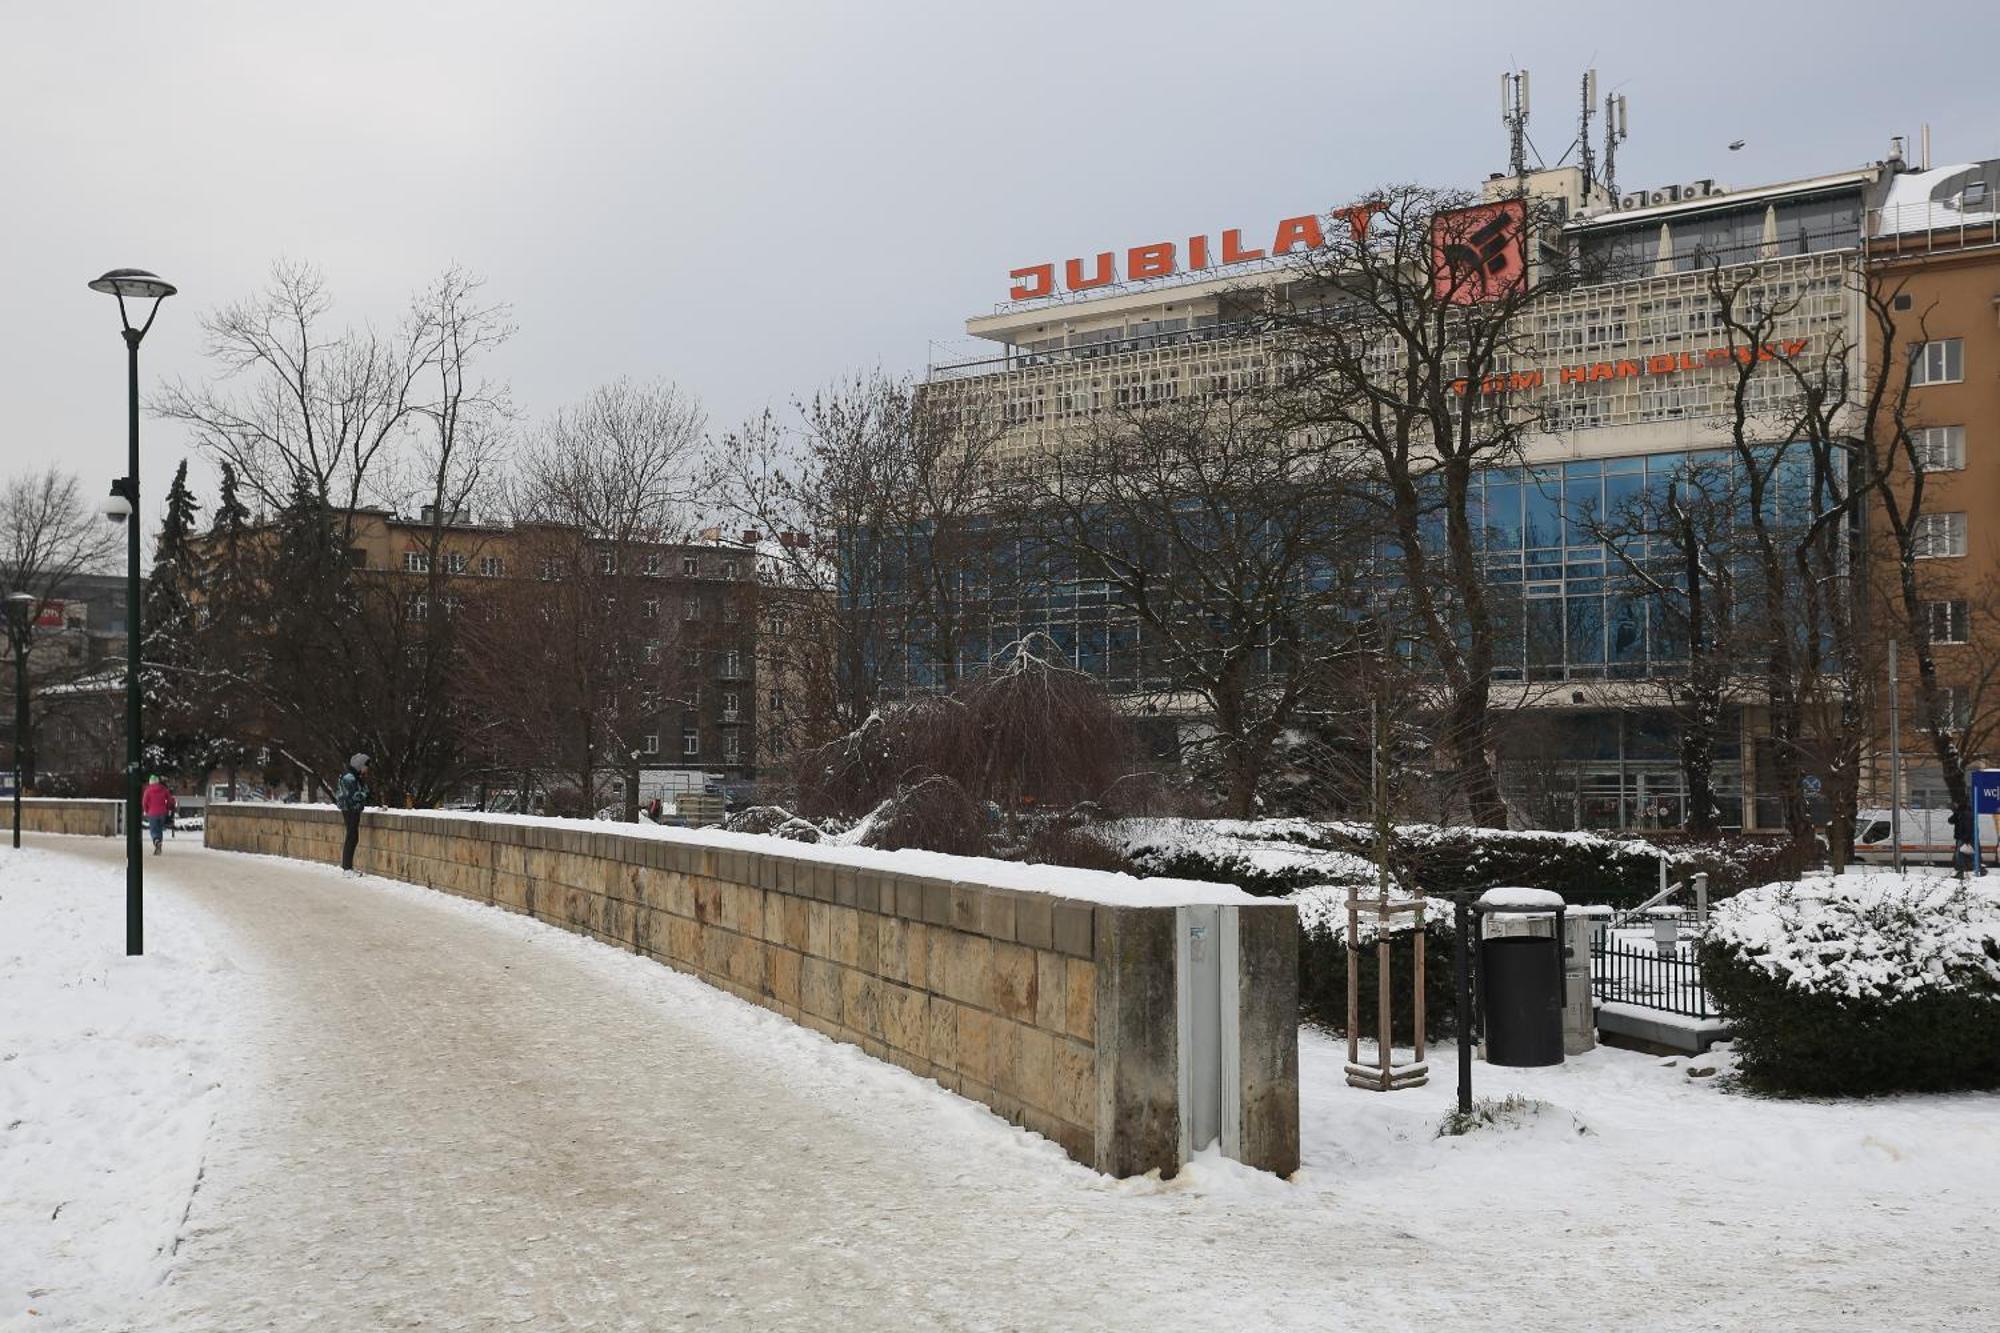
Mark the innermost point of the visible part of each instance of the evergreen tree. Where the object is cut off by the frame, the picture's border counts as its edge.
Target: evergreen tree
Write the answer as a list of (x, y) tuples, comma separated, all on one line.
[(228, 646), (171, 676)]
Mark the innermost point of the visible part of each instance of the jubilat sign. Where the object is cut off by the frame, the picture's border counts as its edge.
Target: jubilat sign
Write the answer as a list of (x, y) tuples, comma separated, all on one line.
[(1652, 365), (1163, 259)]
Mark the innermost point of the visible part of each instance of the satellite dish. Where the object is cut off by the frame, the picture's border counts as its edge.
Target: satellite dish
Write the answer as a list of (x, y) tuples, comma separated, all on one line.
[(1736, 144)]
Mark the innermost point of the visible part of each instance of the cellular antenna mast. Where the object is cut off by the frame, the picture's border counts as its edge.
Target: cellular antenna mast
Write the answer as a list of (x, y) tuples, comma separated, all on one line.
[(1585, 157), (1614, 134), (1514, 115)]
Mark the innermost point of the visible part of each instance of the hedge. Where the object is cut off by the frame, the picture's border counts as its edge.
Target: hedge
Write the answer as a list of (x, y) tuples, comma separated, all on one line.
[(1860, 984)]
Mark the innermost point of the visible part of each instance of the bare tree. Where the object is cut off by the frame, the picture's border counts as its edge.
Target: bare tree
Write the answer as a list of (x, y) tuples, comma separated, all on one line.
[(296, 398), (567, 655), (48, 536), (880, 504), (1398, 341), (1232, 547)]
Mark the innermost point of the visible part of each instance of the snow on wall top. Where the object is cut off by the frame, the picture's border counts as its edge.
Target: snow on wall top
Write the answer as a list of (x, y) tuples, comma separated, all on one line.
[(1870, 936), (1095, 886)]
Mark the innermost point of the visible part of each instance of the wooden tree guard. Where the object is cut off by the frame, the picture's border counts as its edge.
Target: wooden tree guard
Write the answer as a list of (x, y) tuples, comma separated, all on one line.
[(1385, 1075)]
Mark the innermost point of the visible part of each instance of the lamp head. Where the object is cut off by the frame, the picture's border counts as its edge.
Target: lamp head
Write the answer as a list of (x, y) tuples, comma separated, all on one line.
[(134, 282), (115, 506), (20, 606)]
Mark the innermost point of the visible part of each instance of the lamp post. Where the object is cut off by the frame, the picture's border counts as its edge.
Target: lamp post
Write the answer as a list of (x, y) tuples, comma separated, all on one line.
[(123, 505), (20, 623)]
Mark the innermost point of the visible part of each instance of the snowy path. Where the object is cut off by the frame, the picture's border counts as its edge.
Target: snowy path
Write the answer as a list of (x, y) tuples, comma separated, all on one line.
[(445, 1116)]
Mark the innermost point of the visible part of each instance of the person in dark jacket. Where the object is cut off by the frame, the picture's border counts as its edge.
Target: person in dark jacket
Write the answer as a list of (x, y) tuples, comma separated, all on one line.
[(351, 796)]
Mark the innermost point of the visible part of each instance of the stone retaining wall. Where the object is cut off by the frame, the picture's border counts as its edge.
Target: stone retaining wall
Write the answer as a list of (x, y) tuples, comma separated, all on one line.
[(48, 814), (1058, 1013)]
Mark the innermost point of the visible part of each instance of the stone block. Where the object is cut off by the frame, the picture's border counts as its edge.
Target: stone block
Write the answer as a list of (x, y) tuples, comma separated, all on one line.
[(975, 1041), (844, 936), (1011, 982), (797, 913), (860, 1003), (819, 930), (916, 954), (1074, 928), (996, 914), (1073, 1090), (937, 903), (783, 976), (1034, 920), (1267, 1009), (891, 956), (941, 1041), (965, 908), (1080, 1001), (905, 1019), (1035, 1062), (1135, 1002), (959, 964), (1051, 991), (819, 988)]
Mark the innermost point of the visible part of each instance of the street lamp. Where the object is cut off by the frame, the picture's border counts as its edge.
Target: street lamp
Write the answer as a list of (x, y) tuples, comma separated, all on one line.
[(139, 285), (20, 623)]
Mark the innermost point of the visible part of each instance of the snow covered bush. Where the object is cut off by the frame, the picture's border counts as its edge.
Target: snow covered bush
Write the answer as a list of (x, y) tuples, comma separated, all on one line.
[(1842, 985)]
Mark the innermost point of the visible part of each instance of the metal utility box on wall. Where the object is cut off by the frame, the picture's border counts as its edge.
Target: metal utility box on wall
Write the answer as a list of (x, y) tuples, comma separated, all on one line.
[(1236, 1021)]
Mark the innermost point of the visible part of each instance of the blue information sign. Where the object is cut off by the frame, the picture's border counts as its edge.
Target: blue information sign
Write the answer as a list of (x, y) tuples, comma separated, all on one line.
[(1985, 801)]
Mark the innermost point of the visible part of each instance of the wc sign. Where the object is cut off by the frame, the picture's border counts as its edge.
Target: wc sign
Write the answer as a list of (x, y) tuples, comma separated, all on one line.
[(1985, 801)]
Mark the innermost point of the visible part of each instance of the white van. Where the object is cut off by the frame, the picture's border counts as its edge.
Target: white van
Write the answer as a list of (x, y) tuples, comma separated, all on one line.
[(1926, 838)]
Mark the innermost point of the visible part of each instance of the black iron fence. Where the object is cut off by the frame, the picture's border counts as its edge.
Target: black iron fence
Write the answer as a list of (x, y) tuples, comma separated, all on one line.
[(1638, 971)]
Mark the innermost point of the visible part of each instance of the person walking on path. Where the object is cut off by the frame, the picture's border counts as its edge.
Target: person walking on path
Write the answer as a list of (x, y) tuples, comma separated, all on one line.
[(157, 804), (351, 795)]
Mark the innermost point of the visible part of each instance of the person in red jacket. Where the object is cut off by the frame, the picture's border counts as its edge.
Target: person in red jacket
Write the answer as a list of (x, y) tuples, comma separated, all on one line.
[(157, 804)]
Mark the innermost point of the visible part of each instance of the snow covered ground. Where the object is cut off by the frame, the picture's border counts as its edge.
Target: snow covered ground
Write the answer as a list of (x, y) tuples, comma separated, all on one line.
[(433, 1113)]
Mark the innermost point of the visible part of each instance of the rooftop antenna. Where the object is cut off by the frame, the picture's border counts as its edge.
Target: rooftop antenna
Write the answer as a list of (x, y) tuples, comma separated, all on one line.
[(1584, 156), (1614, 134), (1514, 115)]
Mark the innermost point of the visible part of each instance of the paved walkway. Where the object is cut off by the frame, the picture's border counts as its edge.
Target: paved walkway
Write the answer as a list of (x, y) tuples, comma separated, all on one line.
[(462, 1124), (454, 1118)]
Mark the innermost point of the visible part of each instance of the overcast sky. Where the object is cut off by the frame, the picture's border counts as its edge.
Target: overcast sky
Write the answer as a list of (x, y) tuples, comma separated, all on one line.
[(751, 199)]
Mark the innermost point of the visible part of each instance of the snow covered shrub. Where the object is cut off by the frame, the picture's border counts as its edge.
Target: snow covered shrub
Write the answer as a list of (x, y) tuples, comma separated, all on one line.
[(1860, 983), (1323, 966), (933, 814)]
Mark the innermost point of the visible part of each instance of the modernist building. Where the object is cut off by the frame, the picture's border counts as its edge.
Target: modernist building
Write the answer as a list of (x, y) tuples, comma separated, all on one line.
[(1635, 377)]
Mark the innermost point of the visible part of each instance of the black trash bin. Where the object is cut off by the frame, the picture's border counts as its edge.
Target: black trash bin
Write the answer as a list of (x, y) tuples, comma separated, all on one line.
[(1522, 999)]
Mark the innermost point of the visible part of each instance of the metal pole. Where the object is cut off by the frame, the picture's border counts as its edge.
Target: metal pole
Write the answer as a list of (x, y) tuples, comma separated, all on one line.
[(20, 636), (1896, 767), (1462, 971), (135, 863)]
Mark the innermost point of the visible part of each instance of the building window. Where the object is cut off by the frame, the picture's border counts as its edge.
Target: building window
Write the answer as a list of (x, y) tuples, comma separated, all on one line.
[(729, 569), (777, 703), (1939, 448), (653, 742), (1950, 621), (418, 606), (689, 566), (454, 562), (691, 657), (732, 748), (729, 613), (607, 563), (492, 566), (651, 565), (650, 608), (1939, 535), (416, 562), (549, 570), (690, 744), (1938, 362), (652, 651), (729, 709), (1954, 709), (691, 609), (732, 664)]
